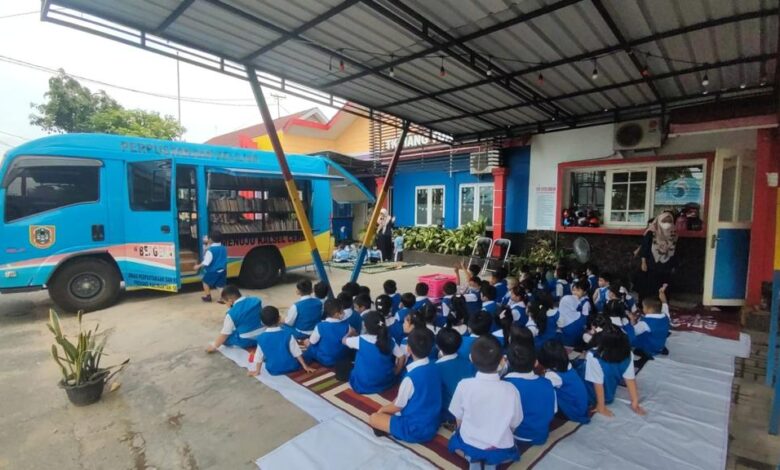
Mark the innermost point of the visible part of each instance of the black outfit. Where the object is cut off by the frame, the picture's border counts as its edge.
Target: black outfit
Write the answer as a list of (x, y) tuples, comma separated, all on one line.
[(384, 240), (657, 274)]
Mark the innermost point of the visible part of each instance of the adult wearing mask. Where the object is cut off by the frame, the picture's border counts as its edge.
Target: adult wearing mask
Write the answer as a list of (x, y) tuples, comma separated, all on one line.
[(657, 255), (384, 234)]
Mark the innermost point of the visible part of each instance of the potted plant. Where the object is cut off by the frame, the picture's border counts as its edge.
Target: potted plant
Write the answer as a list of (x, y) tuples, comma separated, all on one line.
[(82, 376)]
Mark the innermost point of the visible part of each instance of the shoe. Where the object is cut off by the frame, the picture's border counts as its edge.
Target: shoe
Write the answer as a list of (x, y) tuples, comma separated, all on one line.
[(206, 298), (665, 352), (379, 433), (221, 302)]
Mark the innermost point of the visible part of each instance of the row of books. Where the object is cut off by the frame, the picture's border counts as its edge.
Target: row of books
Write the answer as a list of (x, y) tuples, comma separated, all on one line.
[(274, 204), (287, 225)]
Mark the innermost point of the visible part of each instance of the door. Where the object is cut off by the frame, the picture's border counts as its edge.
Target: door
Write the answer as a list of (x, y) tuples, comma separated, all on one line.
[(151, 227), (728, 227), (187, 218)]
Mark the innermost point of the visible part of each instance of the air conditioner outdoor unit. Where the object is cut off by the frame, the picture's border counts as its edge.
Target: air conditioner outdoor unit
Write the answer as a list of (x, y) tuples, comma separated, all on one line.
[(637, 135), (481, 163)]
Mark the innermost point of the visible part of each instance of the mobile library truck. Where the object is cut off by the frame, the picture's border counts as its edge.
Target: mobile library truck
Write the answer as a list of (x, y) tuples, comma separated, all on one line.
[(84, 213)]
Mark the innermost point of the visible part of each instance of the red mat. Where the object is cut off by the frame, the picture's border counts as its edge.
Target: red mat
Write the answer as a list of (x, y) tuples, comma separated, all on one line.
[(721, 324)]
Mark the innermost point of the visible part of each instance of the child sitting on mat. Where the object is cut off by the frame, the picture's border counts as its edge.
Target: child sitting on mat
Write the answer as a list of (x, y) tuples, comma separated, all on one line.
[(487, 411), (276, 347), (498, 280), (570, 391), (384, 305), (350, 316), (321, 291), (414, 415), (648, 334), (452, 367), (458, 315), (600, 294), (449, 289), (304, 314), (606, 365), (517, 298), (374, 255), (341, 255), (421, 296), (407, 306), (480, 324), (391, 289), (324, 345), (362, 305), (214, 266), (542, 320), (537, 395), (422, 319), (242, 321), (378, 360)]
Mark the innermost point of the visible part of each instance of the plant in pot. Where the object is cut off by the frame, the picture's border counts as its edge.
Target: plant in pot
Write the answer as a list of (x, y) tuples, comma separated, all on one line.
[(83, 378)]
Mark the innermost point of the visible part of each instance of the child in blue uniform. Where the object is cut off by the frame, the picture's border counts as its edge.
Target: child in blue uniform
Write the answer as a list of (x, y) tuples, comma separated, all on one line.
[(384, 305), (593, 279), (414, 415), (572, 396), (498, 280), (214, 266), (341, 255), (537, 395), (321, 291), (422, 319), (324, 344), (242, 321), (276, 347), (449, 289), (487, 294), (378, 360), (480, 324), (350, 316), (511, 283), (421, 296), (573, 313), (542, 321), (362, 305), (517, 302), (487, 411), (391, 289), (561, 285), (452, 367), (374, 255), (398, 247), (458, 316), (407, 306), (600, 295), (606, 365), (304, 314), (650, 332)]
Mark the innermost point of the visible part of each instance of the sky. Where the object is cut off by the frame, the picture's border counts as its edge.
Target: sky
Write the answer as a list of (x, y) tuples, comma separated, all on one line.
[(26, 38)]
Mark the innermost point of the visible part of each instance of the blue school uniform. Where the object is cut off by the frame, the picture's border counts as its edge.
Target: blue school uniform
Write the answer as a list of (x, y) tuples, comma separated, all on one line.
[(465, 347), (446, 305), (601, 300), (613, 373), (396, 329), (570, 310), (452, 368), (329, 349), (341, 256), (419, 419), (309, 313), (550, 331), (395, 300), (275, 345), (245, 315), (434, 350), (354, 319), (501, 290), (490, 456), (562, 288), (473, 302), (571, 393), (653, 341), (420, 303), (215, 274), (506, 299), (520, 314), (593, 280), (630, 302), (491, 307), (537, 398), (402, 313), (373, 371)]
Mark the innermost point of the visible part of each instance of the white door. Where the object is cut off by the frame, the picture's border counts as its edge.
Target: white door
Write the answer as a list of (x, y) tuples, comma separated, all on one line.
[(728, 227)]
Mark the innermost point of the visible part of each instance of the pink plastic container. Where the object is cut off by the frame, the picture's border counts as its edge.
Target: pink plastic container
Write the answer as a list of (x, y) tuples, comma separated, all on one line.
[(435, 284)]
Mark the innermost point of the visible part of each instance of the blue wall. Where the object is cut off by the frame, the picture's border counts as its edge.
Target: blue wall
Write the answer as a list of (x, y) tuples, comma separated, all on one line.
[(518, 160)]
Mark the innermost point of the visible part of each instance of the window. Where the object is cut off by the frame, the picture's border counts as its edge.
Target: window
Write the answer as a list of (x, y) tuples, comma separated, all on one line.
[(628, 196), (39, 184), (429, 205), (476, 202), (150, 185)]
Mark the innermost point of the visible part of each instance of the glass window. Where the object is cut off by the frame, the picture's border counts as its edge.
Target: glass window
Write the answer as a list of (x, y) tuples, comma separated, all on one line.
[(628, 197), (429, 205), (747, 175), (35, 189), (467, 203), (486, 204), (587, 190), (677, 187), (150, 185), (476, 202)]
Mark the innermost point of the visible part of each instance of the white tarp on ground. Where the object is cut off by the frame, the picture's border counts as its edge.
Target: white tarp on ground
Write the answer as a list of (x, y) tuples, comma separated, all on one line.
[(687, 397)]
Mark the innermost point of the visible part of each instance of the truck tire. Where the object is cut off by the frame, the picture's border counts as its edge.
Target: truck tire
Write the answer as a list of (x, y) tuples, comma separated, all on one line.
[(86, 284), (262, 268)]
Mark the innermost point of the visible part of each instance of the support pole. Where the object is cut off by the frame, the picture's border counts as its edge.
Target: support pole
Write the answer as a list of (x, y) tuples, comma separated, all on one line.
[(368, 239), (771, 356), (289, 182)]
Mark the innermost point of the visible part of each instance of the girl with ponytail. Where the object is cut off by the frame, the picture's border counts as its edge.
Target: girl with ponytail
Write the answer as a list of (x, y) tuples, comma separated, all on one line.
[(542, 320), (378, 360)]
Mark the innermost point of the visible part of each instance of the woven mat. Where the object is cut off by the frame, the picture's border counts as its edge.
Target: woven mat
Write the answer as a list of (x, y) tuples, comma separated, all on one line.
[(720, 324), (375, 268)]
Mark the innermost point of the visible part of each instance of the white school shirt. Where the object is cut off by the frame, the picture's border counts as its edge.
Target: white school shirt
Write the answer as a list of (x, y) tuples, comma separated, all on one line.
[(315, 333), (567, 308), (531, 325), (446, 358), (642, 326), (445, 309), (406, 389), (531, 376), (421, 297), (595, 374), (292, 313), (295, 350), (462, 329), (556, 379), (488, 410), (489, 302), (228, 327), (353, 342), (208, 257)]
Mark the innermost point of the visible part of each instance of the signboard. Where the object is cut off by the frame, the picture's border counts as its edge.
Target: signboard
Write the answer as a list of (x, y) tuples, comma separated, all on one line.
[(544, 199)]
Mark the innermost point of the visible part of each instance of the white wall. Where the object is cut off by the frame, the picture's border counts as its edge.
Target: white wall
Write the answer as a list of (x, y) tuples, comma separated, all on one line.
[(548, 150)]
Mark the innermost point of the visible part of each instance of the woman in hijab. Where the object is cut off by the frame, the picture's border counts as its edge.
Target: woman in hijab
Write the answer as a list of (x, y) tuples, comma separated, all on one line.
[(384, 235), (658, 255)]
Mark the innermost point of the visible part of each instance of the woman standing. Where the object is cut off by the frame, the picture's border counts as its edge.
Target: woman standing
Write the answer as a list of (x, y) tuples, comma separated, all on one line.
[(658, 255), (384, 235)]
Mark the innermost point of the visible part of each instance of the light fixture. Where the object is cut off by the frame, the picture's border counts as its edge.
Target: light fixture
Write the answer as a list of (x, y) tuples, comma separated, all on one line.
[(330, 64), (392, 69), (595, 74), (442, 70), (540, 79), (489, 67), (742, 86), (705, 80), (763, 79), (704, 91), (341, 65)]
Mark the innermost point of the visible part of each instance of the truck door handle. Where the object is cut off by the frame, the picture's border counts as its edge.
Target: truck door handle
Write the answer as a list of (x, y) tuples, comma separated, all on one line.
[(165, 229), (98, 233)]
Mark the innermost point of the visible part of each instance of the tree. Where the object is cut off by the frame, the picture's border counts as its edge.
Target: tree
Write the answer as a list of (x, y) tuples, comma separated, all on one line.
[(72, 107)]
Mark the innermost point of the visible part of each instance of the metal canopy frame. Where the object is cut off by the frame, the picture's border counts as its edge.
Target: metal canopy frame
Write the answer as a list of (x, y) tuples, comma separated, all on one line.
[(292, 44)]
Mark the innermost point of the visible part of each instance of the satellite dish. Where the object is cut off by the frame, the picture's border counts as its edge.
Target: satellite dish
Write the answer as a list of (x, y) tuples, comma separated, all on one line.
[(582, 250)]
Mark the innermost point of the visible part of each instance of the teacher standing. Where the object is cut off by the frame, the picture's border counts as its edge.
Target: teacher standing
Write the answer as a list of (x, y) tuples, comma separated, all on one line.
[(658, 255), (384, 235)]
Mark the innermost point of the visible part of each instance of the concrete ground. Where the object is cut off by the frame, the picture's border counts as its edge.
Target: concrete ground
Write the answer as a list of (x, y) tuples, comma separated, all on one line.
[(177, 407)]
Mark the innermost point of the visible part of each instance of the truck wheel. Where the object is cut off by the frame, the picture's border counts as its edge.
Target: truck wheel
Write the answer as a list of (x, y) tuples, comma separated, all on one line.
[(86, 284), (261, 269)]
